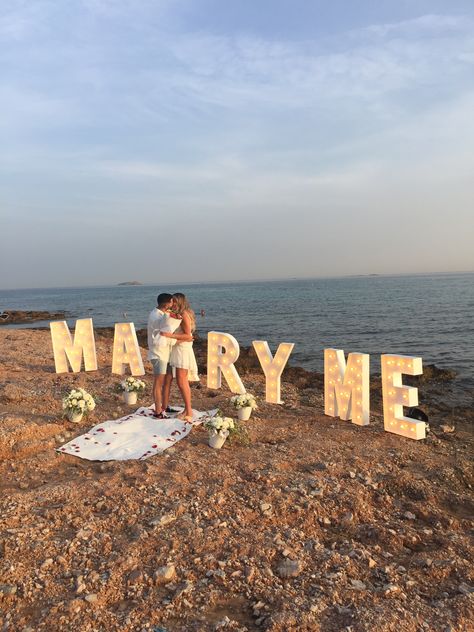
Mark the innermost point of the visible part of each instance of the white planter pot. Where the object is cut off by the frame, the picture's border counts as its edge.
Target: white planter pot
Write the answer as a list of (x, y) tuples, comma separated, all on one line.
[(217, 440), (244, 413), (130, 397), (74, 417)]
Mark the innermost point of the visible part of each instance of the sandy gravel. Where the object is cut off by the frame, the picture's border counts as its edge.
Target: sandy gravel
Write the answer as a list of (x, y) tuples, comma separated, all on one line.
[(316, 525)]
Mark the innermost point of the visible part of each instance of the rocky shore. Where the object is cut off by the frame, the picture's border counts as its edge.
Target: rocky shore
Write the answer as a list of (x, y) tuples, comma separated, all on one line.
[(315, 525), (16, 317)]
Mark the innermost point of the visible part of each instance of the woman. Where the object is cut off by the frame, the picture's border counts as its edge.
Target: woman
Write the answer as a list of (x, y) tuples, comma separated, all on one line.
[(182, 355)]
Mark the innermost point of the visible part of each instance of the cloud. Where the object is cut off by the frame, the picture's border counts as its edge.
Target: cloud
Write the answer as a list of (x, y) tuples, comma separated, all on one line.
[(378, 60), (111, 116)]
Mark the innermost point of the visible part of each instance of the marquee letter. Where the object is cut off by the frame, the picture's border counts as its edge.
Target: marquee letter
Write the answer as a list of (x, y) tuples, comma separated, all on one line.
[(220, 363), (396, 396), (272, 367), (126, 350), (347, 388), (66, 348)]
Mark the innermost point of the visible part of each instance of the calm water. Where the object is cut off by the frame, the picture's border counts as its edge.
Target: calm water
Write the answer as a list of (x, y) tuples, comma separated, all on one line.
[(429, 316)]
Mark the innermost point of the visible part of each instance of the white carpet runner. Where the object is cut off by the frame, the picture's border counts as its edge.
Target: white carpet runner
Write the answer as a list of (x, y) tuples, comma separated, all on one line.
[(135, 436)]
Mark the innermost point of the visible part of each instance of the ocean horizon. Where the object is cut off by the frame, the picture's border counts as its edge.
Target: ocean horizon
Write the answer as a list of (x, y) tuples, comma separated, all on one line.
[(132, 283)]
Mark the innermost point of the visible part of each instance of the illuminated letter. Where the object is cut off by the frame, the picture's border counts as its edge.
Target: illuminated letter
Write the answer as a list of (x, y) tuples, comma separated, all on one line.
[(66, 348), (126, 350), (272, 367), (219, 363), (347, 389), (396, 396)]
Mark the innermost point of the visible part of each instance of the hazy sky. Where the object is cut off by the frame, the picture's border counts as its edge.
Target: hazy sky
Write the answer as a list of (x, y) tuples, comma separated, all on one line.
[(187, 140)]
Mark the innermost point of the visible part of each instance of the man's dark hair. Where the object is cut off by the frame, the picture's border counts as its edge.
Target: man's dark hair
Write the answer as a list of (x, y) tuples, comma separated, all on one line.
[(164, 298)]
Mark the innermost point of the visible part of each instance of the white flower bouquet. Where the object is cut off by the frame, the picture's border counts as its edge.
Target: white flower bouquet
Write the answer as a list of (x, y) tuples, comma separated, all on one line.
[(219, 429), (247, 400), (244, 405), (220, 425), (132, 385), (78, 403)]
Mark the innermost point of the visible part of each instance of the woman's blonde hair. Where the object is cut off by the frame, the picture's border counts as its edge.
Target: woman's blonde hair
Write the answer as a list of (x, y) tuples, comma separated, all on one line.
[(182, 305)]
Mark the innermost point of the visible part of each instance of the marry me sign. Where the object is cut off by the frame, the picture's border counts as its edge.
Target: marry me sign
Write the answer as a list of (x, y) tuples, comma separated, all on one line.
[(346, 383)]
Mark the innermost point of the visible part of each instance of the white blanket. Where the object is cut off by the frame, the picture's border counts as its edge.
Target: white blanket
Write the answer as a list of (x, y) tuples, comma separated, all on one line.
[(135, 436)]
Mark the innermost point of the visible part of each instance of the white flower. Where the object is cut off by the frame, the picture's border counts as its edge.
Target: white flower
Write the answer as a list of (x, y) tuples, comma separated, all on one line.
[(74, 401), (243, 401), (82, 404)]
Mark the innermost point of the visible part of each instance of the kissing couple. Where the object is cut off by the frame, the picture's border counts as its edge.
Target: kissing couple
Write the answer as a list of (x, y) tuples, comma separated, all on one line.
[(170, 349)]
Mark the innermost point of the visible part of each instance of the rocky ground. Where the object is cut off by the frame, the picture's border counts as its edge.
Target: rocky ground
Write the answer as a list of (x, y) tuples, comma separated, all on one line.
[(316, 525)]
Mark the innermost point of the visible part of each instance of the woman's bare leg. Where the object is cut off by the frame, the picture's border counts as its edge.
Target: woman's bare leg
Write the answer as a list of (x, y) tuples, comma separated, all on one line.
[(183, 385)]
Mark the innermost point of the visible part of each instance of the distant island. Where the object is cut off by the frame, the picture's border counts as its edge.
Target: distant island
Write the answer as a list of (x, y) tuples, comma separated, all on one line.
[(130, 283)]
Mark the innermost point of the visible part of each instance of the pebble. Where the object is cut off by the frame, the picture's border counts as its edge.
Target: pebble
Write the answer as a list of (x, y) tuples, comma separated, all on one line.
[(372, 563), (465, 589), (249, 573), (186, 587), (162, 520), (320, 467), (92, 598), (266, 509), (289, 568), (390, 588), (135, 576), (7, 589), (446, 428), (47, 563), (409, 516), (356, 584), (164, 574)]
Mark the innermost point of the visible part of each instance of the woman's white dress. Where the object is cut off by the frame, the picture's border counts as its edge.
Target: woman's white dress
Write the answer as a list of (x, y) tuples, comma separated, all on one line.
[(182, 357)]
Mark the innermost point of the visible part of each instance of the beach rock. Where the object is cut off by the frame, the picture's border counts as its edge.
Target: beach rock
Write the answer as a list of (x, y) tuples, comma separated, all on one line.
[(390, 588), (183, 589), (356, 584), (162, 520), (13, 393), (447, 429), (91, 598), (164, 574), (7, 589), (289, 568), (320, 467), (14, 316), (135, 577), (47, 563), (465, 589)]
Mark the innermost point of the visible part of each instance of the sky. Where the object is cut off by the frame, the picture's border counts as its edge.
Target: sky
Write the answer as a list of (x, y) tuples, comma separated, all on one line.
[(200, 140)]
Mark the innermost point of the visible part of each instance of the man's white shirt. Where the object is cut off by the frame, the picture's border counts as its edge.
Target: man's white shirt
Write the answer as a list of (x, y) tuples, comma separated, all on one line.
[(159, 321)]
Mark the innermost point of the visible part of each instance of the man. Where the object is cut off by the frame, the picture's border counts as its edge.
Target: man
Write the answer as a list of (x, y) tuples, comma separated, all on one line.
[(159, 348)]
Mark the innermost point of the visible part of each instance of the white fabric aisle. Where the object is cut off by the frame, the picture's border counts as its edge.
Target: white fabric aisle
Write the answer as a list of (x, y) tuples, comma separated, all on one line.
[(135, 436)]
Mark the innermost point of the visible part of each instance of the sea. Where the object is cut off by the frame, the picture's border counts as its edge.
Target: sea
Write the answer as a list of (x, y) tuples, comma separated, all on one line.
[(431, 316)]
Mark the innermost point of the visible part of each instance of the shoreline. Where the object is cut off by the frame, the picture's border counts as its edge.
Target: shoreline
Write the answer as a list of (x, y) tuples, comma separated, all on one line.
[(315, 525), (441, 390)]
